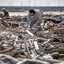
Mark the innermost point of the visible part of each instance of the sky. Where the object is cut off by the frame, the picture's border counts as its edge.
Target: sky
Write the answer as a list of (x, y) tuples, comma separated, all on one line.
[(31, 2)]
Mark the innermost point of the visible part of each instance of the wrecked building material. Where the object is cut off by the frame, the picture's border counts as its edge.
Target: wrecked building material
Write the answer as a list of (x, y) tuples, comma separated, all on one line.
[(45, 45)]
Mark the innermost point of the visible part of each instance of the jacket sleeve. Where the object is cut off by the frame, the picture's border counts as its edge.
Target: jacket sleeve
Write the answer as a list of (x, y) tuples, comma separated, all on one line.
[(27, 24)]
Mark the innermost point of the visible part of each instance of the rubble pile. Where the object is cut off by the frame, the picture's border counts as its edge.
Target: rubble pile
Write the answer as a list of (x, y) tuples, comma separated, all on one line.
[(45, 44)]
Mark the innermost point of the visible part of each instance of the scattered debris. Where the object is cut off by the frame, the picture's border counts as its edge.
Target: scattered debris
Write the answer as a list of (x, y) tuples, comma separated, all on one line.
[(42, 46)]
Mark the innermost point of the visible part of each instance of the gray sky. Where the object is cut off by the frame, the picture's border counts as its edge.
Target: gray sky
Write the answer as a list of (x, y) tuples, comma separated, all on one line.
[(31, 2)]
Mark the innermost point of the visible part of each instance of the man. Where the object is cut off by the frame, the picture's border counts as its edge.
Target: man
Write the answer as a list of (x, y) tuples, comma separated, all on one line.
[(6, 14), (34, 19)]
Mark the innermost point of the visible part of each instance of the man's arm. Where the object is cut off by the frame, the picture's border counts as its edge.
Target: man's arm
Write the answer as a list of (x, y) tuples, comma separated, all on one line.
[(27, 24)]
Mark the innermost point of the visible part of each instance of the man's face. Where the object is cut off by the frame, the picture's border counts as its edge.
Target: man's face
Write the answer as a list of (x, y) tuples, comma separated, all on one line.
[(32, 15)]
